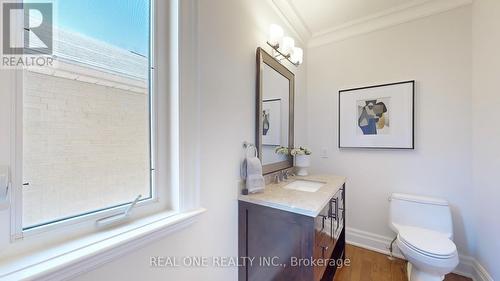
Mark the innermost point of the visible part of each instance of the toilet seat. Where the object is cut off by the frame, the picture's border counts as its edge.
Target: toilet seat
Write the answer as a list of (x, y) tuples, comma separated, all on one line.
[(427, 242)]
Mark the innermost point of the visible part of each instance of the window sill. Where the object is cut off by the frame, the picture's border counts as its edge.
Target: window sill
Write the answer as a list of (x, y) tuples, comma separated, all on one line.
[(70, 259)]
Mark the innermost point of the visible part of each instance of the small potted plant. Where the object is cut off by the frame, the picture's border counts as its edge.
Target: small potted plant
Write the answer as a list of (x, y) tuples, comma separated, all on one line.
[(302, 157), (282, 150)]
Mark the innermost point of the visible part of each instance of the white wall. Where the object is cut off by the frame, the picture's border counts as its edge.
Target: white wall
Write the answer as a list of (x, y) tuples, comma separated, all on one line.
[(486, 133), (229, 33), (434, 51)]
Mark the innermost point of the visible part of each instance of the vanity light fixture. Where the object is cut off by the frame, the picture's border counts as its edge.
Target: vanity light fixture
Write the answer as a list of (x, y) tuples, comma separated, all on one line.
[(287, 45), (284, 46), (297, 55), (275, 35)]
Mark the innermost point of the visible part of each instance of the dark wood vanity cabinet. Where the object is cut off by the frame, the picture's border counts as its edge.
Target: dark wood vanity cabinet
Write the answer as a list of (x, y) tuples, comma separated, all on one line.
[(281, 245)]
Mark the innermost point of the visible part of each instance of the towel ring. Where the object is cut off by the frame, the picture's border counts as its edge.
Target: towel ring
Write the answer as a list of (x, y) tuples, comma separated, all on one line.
[(250, 146), (243, 168)]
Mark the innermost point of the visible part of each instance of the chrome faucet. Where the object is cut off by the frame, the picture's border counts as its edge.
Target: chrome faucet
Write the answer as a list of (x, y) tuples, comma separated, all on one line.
[(282, 175), (277, 178), (285, 175)]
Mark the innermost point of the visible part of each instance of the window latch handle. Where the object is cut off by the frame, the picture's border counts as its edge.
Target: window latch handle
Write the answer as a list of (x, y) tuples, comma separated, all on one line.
[(118, 217), (129, 209)]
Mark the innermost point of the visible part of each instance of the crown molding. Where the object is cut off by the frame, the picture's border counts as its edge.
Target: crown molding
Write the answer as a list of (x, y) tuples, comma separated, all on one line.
[(294, 21), (415, 10)]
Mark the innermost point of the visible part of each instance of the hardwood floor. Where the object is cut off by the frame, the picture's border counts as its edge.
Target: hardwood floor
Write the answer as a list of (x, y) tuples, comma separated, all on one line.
[(371, 266)]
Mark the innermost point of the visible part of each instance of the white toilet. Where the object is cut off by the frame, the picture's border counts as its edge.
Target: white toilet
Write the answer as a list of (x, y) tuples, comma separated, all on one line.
[(425, 233)]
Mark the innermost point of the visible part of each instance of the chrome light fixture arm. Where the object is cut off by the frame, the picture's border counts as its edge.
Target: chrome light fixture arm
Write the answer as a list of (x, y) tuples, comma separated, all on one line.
[(280, 56)]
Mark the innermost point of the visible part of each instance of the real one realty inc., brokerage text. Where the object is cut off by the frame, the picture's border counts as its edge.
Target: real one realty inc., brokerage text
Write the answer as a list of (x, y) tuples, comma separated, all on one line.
[(221, 261)]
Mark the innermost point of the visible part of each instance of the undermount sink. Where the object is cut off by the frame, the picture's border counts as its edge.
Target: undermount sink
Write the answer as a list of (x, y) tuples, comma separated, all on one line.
[(305, 185)]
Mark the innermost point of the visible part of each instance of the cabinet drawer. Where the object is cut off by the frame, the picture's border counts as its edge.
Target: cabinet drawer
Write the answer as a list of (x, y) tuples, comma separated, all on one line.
[(323, 240), (323, 249)]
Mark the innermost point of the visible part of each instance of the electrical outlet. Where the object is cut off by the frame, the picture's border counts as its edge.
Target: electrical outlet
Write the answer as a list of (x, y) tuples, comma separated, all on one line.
[(323, 153)]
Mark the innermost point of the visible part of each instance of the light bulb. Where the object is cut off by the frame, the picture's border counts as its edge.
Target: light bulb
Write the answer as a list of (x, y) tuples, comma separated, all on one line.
[(297, 55), (275, 34), (287, 45)]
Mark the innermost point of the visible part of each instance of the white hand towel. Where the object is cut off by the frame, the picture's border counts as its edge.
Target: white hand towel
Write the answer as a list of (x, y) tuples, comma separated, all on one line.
[(254, 180)]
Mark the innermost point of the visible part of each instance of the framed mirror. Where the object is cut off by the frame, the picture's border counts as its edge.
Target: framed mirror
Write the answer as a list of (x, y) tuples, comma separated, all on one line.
[(275, 106)]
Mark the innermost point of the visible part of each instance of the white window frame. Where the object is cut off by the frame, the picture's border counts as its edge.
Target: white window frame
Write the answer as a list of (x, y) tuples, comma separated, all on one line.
[(178, 108), (152, 205)]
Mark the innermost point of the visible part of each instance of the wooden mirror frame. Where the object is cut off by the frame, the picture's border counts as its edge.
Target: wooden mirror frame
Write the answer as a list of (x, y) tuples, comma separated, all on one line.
[(264, 58)]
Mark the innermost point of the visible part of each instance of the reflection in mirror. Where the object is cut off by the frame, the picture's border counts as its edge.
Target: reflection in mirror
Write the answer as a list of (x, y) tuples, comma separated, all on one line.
[(275, 95), (275, 110)]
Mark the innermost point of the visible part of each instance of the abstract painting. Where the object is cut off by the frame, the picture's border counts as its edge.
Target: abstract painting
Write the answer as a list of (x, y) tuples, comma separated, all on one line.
[(379, 116), (271, 122), (373, 116)]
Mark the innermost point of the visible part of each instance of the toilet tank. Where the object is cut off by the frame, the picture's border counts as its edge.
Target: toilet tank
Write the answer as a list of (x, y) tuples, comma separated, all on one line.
[(419, 211)]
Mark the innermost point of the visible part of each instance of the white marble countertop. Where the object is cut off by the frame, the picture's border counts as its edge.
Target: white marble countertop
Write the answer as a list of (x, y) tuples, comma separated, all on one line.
[(300, 202)]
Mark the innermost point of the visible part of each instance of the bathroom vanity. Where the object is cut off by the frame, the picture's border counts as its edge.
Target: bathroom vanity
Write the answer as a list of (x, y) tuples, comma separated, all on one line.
[(294, 230)]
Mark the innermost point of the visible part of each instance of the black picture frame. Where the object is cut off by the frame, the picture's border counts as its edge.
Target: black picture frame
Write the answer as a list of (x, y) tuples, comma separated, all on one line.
[(344, 91)]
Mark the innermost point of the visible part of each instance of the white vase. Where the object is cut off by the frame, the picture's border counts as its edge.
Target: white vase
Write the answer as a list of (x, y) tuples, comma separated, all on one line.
[(302, 162)]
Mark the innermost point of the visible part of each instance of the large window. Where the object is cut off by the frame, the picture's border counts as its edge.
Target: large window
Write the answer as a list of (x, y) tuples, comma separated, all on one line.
[(87, 122)]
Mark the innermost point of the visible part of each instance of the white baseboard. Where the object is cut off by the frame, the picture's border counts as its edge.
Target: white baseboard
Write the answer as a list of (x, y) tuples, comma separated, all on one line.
[(480, 273), (468, 266), (371, 241)]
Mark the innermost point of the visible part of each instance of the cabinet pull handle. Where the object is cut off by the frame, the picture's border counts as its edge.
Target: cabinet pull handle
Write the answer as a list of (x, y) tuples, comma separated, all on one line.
[(333, 211), (336, 209), (337, 217), (323, 249), (322, 224)]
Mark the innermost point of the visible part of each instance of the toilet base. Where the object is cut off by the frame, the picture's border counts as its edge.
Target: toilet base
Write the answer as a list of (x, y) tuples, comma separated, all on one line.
[(417, 275)]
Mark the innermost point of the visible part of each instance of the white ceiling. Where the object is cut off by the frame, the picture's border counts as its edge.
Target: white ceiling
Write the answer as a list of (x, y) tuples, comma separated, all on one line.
[(321, 15)]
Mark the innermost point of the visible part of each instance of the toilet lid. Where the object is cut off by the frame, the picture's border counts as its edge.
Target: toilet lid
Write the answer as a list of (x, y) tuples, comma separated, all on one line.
[(427, 242)]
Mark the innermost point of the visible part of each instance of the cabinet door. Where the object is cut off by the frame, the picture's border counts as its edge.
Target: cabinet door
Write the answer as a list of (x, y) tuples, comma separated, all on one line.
[(323, 240), (273, 236)]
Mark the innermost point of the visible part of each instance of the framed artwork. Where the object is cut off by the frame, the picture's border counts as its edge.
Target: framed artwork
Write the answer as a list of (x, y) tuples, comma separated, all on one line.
[(379, 116), (271, 122)]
